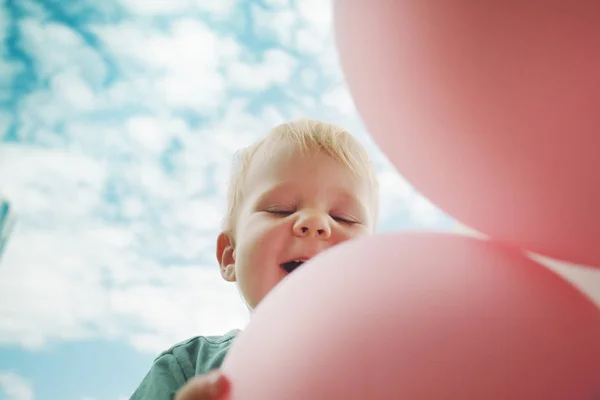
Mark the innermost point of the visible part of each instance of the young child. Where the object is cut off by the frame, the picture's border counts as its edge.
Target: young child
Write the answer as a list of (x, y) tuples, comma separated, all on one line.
[(302, 189)]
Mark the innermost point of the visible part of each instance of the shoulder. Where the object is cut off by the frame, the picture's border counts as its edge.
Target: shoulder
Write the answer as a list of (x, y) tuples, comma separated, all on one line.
[(175, 366), (210, 340), (200, 354)]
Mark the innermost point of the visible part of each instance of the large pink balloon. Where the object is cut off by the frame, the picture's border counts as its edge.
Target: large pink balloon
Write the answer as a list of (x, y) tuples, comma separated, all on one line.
[(419, 316), (490, 108)]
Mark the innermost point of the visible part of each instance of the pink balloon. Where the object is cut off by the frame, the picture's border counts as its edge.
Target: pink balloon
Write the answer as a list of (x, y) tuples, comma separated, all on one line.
[(491, 109), (419, 316)]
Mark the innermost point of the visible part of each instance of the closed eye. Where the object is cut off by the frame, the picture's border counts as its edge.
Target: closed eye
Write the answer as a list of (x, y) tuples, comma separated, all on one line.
[(280, 212), (344, 220)]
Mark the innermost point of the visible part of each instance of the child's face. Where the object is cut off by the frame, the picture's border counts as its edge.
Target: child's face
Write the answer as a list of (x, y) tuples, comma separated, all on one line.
[(294, 207)]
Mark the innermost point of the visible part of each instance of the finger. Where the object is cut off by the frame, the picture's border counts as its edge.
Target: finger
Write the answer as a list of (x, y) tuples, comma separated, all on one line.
[(212, 386)]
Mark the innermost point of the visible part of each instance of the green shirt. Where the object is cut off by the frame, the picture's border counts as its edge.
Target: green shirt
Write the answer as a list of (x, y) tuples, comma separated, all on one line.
[(174, 367)]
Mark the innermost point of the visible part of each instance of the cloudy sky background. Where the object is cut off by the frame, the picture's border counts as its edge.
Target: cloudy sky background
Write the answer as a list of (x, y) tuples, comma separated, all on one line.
[(118, 120)]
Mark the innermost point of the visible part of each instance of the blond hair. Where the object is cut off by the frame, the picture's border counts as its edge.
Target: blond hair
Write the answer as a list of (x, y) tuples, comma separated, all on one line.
[(310, 135)]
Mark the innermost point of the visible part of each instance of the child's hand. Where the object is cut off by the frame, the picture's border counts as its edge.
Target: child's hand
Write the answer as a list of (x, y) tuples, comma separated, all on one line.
[(211, 386)]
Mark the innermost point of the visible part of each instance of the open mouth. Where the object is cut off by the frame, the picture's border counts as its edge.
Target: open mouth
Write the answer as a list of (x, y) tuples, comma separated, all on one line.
[(291, 265)]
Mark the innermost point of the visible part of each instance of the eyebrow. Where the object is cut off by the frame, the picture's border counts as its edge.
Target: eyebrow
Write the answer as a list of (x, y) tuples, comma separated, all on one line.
[(275, 189), (350, 199), (270, 192)]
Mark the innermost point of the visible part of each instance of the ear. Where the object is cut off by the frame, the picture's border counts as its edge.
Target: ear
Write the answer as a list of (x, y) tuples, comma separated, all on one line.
[(226, 257)]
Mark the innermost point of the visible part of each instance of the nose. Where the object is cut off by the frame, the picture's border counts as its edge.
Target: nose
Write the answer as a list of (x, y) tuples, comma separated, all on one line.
[(313, 224)]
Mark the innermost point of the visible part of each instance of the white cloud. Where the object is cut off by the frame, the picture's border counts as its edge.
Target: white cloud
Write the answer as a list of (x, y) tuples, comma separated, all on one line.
[(74, 71), (56, 48), (79, 276), (74, 91), (309, 78), (46, 183), (398, 197), (170, 7), (180, 65), (238, 128), (5, 121), (339, 98), (205, 213), (394, 192), (309, 41), (15, 387), (55, 277), (151, 133), (161, 7), (277, 3), (87, 283), (119, 197), (276, 24), (307, 28), (318, 14), (424, 212), (8, 71), (8, 68), (317, 34), (276, 67), (187, 301)]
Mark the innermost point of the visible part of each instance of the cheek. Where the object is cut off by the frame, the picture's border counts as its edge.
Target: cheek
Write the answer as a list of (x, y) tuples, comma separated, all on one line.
[(262, 228), (351, 233), (260, 236)]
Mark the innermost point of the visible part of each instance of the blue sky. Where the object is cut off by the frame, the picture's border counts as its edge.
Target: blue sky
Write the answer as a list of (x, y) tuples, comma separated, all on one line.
[(118, 121)]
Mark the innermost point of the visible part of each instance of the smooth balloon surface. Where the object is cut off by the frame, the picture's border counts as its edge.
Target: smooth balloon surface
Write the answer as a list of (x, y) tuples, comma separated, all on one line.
[(419, 316), (489, 108)]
